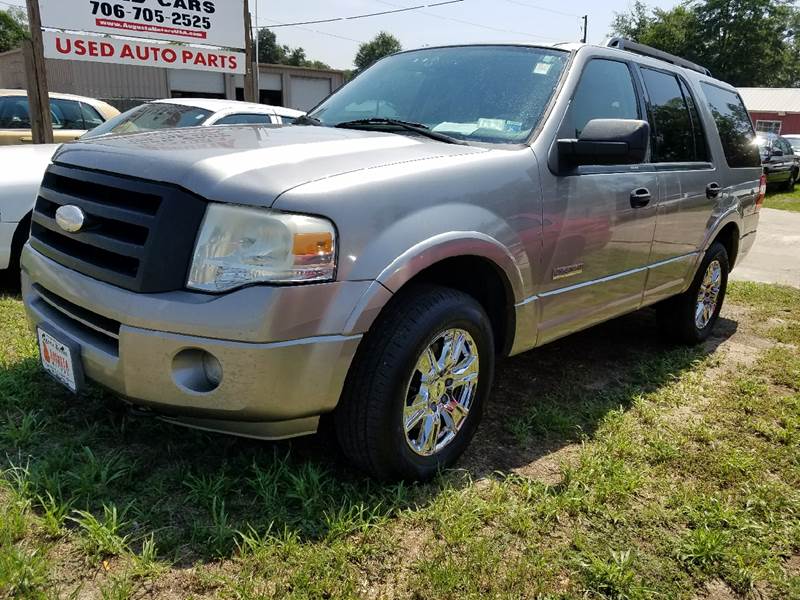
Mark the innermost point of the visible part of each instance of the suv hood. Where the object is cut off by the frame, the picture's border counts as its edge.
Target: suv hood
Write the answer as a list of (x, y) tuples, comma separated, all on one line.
[(250, 165)]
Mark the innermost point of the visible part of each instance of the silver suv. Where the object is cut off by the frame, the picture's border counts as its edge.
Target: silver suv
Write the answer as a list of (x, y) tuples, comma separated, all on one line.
[(448, 206)]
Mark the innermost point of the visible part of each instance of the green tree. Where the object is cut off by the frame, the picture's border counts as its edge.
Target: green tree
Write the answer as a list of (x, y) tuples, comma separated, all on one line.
[(382, 45), (273, 53), (269, 50), (13, 28), (745, 42)]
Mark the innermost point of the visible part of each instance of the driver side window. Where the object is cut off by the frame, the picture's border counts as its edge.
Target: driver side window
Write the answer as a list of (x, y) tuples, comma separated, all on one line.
[(605, 91)]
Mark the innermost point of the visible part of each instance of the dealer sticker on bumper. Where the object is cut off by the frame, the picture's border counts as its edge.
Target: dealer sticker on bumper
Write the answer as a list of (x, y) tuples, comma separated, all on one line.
[(58, 360)]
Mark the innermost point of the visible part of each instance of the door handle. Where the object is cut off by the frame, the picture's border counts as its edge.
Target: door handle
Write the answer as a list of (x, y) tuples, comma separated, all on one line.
[(713, 190), (640, 198)]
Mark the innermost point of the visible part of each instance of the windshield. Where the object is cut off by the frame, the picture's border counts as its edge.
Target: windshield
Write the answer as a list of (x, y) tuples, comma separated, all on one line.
[(150, 117), (489, 94)]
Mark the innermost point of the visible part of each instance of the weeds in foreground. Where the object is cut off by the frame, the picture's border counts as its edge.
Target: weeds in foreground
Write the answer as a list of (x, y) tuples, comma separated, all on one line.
[(681, 472)]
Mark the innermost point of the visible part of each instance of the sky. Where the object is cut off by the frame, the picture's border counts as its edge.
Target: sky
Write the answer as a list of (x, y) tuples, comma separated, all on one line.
[(467, 21)]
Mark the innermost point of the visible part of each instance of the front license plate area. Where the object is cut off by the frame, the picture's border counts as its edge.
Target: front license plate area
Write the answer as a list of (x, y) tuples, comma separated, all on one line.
[(61, 359)]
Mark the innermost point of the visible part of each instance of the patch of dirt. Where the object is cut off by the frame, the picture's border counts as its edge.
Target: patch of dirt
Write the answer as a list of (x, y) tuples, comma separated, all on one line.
[(793, 566), (548, 468), (718, 590)]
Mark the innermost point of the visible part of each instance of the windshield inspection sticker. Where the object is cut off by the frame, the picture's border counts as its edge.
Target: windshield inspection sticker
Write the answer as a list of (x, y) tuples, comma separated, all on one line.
[(498, 124), (542, 68)]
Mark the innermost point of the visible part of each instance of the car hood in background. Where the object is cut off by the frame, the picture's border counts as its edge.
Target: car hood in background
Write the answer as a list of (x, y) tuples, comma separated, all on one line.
[(22, 169), (250, 165)]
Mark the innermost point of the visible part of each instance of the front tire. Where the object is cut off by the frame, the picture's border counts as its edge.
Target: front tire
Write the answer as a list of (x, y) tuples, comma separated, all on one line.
[(11, 276), (690, 318), (416, 390)]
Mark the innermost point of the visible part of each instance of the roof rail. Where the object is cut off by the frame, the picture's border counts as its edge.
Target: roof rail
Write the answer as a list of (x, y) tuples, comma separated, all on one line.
[(636, 47)]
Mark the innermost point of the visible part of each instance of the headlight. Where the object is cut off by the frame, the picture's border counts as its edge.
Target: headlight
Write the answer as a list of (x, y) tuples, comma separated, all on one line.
[(237, 246)]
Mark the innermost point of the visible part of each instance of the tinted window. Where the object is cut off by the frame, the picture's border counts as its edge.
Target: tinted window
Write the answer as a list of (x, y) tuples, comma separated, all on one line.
[(605, 92), (494, 94), (672, 126), (786, 147), (66, 114), (150, 117), (288, 120), (91, 117), (243, 119), (14, 113), (734, 125), (701, 153)]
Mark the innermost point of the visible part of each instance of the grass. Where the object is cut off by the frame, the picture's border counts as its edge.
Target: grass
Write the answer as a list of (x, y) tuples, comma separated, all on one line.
[(784, 200), (609, 466)]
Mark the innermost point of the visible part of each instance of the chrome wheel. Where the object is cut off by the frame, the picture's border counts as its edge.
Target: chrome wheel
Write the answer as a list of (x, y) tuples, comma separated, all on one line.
[(441, 392), (708, 296)]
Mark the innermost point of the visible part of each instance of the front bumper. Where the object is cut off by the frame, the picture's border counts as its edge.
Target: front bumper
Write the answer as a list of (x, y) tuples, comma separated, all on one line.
[(284, 352), (7, 231)]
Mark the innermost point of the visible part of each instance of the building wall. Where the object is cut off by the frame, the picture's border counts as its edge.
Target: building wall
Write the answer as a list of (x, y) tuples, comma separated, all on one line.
[(790, 122)]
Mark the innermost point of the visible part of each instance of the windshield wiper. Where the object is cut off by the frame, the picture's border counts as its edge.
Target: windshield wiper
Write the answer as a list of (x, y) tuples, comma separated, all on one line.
[(306, 120), (419, 128)]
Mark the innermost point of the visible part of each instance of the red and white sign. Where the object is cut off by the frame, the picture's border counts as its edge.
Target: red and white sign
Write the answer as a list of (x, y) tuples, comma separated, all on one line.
[(70, 46), (212, 22)]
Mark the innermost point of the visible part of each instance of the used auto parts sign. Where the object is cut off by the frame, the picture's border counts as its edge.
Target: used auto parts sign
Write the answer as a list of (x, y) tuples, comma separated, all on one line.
[(144, 54), (211, 22)]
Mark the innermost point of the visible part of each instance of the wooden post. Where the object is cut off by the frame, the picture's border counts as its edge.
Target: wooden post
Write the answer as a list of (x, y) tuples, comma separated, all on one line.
[(249, 76), (36, 71), (585, 28)]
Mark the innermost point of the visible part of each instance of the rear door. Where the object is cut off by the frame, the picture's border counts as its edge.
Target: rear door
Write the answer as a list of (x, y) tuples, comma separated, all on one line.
[(15, 120), (598, 220), (689, 183)]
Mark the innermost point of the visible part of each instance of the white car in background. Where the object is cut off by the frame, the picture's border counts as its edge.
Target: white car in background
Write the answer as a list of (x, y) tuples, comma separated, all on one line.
[(24, 166)]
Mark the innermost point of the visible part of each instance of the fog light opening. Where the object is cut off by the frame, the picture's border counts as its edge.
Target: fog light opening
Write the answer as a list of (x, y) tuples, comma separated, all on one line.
[(197, 371)]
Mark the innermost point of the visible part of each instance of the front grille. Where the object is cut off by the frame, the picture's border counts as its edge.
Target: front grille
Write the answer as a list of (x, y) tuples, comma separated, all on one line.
[(84, 325), (138, 235), (98, 323)]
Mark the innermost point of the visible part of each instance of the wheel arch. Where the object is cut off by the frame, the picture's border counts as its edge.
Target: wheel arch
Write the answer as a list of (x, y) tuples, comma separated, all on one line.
[(729, 236), (473, 263)]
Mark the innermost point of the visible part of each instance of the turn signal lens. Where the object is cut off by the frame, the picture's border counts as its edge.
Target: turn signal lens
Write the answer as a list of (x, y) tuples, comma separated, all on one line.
[(762, 192), (240, 245)]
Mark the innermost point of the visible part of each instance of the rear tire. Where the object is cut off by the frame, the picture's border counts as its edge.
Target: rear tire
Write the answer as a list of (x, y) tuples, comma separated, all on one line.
[(404, 383), (789, 185), (690, 317)]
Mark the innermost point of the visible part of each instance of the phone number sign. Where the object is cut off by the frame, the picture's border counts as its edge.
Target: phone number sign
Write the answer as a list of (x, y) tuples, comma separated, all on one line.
[(212, 22)]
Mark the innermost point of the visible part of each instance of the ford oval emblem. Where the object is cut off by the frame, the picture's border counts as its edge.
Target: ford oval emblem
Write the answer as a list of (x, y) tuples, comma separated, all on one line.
[(70, 218)]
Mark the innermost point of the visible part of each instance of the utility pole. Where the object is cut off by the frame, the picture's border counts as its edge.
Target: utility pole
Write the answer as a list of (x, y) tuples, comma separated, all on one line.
[(249, 78), (258, 58), (38, 94), (585, 28)]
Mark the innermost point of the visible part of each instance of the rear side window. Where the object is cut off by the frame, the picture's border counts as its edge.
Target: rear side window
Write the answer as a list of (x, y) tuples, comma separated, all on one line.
[(734, 125), (14, 113), (288, 120), (700, 141), (605, 92), (673, 133), (91, 117), (66, 114), (245, 119)]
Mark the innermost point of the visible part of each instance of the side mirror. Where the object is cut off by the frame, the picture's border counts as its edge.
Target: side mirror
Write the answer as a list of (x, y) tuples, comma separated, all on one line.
[(607, 142)]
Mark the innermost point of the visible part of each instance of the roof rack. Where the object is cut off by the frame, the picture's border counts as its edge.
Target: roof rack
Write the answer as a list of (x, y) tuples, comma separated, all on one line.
[(636, 47)]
